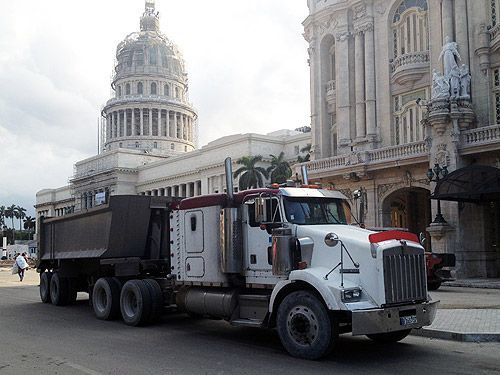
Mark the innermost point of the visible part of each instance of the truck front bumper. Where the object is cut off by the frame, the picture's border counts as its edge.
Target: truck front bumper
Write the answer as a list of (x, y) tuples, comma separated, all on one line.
[(389, 319)]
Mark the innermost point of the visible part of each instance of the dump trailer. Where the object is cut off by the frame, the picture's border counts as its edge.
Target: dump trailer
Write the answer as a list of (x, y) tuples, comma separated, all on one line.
[(282, 257)]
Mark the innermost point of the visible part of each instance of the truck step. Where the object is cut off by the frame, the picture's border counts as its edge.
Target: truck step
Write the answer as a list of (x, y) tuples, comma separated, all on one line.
[(254, 297), (247, 322)]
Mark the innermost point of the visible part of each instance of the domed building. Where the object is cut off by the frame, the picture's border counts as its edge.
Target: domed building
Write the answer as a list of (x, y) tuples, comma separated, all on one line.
[(150, 111)]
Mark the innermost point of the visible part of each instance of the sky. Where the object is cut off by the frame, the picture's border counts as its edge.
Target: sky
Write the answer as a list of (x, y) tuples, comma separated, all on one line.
[(246, 64)]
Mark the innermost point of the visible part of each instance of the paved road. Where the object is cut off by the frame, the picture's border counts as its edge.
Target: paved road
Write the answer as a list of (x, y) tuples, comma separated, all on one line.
[(43, 339)]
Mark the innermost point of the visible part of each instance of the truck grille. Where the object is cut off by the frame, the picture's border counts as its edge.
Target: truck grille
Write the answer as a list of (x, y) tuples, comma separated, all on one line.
[(404, 275)]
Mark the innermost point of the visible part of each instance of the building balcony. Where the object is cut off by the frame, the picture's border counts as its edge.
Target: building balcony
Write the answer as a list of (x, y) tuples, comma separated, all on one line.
[(482, 139), (331, 94), (410, 67)]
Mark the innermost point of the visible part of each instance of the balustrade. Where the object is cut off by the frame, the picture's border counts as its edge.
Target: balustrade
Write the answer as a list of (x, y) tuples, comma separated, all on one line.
[(477, 136)]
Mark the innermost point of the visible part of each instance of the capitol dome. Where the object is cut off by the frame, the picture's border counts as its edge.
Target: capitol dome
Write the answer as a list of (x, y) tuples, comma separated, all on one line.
[(150, 110)]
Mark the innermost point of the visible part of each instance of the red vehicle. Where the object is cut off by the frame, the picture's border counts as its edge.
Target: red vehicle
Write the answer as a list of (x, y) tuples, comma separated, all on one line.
[(438, 269)]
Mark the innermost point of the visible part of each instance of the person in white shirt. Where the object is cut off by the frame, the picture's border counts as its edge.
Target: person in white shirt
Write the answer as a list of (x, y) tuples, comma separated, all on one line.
[(22, 265)]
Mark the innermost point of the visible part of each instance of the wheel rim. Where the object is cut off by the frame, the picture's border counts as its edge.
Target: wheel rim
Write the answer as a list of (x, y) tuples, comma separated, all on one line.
[(101, 299), (302, 325), (130, 305)]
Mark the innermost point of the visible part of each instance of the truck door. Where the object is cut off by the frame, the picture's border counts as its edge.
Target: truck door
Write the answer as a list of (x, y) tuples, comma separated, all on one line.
[(258, 241)]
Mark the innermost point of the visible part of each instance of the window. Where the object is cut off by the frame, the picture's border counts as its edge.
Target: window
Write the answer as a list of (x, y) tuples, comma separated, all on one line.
[(119, 91), (409, 28), (155, 144), (407, 117), (494, 12), (314, 211), (172, 146), (136, 144), (139, 57), (177, 95), (166, 90), (153, 88), (140, 88), (185, 148), (127, 89), (152, 56)]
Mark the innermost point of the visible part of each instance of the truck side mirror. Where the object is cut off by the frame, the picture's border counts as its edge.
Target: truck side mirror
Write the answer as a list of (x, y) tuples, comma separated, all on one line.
[(422, 238), (260, 210)]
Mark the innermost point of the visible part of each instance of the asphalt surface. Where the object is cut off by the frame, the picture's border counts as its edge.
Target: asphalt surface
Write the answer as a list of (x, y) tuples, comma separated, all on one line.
[(37, 338)]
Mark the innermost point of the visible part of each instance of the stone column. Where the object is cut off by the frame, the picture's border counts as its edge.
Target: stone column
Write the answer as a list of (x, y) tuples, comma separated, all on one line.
[(150, 121), (359, 67), (447, 19), (196, 188), (133, 121), (176, 125), (343, 78), (168, 123), (125, 122), (370, 78), (142, 121), (159, 127), (461, 34), (188, 189)]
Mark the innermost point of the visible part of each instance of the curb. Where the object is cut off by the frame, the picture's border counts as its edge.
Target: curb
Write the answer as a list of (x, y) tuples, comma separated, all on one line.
[(460, 284), (456, 336)]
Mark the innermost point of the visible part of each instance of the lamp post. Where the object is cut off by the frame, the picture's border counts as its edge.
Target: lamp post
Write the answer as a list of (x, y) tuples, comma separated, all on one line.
[(434, 175)]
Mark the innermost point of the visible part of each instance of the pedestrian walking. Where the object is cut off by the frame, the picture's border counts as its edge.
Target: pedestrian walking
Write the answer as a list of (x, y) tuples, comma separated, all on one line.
[(22, 265)]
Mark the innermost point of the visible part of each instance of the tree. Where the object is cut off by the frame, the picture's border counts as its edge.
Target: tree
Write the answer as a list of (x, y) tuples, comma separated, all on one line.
[(305, 159), (279, 170), (10, 212), (251, 175), (21, 214), (2, 218), (29, 224)]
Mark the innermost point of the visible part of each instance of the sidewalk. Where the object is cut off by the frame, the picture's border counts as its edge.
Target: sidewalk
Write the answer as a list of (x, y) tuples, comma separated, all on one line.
[(469, 311)]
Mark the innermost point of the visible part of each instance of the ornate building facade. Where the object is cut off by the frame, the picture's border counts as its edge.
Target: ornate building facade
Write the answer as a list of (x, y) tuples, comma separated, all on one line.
[(399, 87)]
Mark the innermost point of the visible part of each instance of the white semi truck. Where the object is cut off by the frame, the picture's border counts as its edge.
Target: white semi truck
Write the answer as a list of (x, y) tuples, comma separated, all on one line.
[(280, 257)]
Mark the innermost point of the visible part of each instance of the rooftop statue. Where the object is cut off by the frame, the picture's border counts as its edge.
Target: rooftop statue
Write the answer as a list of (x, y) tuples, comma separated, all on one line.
[(450, 56)]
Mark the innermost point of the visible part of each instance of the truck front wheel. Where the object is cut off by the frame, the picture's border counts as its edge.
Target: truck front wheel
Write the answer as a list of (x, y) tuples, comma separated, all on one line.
[(106, 298), (305, 328), (390, 336)]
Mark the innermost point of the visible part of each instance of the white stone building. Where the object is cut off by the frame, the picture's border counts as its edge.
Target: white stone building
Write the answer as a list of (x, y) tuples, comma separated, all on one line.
[(380, 120), (149, 133)]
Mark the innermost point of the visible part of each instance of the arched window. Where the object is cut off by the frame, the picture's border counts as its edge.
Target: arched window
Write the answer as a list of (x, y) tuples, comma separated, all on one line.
[(408, 116), (409, 28), (177, 93), (166, 90), (140, 88), (119, 91), (153, 88), (127, 89)]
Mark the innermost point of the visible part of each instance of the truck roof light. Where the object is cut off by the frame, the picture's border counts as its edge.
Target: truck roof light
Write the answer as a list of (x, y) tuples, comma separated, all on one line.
[(392, 235)]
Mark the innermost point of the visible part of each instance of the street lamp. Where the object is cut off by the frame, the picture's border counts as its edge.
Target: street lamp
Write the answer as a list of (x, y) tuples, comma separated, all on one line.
[(434, 175)]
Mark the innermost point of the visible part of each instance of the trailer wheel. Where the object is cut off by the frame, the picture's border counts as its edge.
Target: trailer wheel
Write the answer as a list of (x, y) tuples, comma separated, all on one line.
[(304, 326), (106, 298), (156, 299), (45, 286), (59, 290), (390, 337), (135, 303)]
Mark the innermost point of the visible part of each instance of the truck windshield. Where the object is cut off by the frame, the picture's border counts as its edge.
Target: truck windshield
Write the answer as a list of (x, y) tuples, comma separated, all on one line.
[(314, 211)]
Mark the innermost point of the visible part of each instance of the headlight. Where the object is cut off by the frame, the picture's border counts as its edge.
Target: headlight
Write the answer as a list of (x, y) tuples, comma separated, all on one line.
[(351, 295)]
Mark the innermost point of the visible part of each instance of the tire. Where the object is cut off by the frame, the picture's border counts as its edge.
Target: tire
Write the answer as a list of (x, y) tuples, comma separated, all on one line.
[(106, 298), (156, 299), (390, 337), (305, 327), (433, 285), (135, 303), (59, 290), (45, 286)]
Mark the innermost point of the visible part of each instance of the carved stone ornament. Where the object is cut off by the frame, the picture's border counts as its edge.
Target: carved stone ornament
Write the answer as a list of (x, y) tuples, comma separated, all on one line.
[(381, 7), (328, 25), (342, 36), (308, 34), (359, 11), (363, 28), (353, 158), (442, 156), (383, 189)]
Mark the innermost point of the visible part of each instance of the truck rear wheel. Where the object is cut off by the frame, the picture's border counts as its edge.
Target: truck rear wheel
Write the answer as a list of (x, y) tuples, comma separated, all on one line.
[(304, 326), (156, 299), (135, 303), (59, 290), (106, 298), (45, 286), (390, 336)]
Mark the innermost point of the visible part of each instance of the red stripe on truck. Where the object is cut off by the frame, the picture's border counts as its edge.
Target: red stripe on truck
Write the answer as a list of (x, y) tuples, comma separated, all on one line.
[(392, 235)]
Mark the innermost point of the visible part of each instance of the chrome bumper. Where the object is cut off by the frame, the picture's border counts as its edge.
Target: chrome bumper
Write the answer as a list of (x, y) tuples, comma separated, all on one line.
[(365, 322)]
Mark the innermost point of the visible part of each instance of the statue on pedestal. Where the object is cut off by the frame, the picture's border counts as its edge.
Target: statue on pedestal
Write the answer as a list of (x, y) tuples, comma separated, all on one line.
[(440, 86), (450, 56), (464, 82)]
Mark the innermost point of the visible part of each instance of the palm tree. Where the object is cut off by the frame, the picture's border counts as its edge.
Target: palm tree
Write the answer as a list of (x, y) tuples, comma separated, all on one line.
[(21, 214), (251, 175), (305, 159), (10, 212), (279, 170), (29, 224)]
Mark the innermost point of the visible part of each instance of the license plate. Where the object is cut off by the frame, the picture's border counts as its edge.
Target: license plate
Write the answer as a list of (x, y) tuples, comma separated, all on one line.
[(407, 320)]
